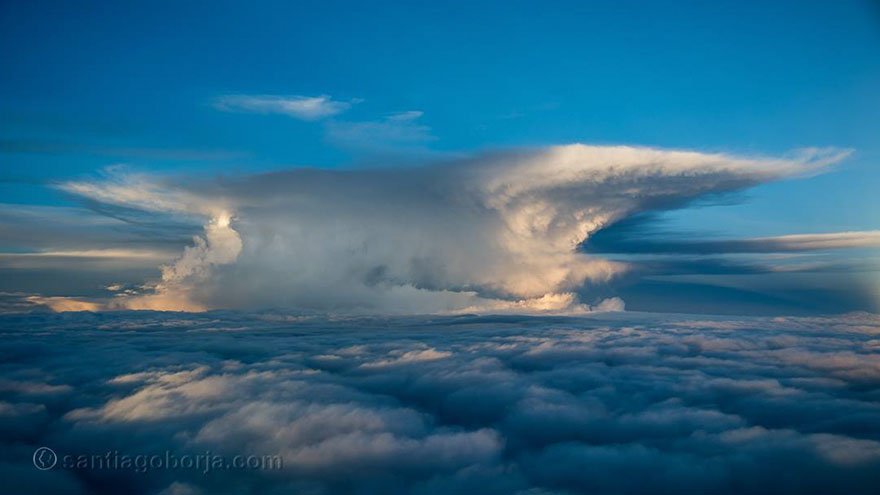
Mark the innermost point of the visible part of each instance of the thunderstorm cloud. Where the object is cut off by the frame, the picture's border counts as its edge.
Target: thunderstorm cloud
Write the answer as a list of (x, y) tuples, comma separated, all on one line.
[(500, 232)]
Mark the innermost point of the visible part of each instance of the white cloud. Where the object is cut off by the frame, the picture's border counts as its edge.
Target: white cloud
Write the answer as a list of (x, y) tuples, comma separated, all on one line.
[(62, 304), (128, 254), (629, 403), (496, 233), (408, 357), (831, 240), (300, 107), (395, 132), (219, 244)]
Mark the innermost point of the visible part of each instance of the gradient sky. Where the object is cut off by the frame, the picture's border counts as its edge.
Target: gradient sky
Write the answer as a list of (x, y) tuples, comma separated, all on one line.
[(194, 89)]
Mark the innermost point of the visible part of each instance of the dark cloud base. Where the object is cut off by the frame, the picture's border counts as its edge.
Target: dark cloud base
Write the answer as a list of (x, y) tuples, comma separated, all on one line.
[(613, 404)]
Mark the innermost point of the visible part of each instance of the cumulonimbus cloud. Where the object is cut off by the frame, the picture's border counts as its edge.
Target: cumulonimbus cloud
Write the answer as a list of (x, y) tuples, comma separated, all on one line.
[(498, 232)]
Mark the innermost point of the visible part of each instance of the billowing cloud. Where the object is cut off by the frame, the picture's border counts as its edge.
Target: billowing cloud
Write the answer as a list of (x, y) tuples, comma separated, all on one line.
[(300, 107), (623, 403), (495, 233)]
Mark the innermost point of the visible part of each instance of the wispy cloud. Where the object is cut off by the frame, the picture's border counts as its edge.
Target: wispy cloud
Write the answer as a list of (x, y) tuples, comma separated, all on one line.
[(831, 240), (628, 240), (296, 106), (402, 130)]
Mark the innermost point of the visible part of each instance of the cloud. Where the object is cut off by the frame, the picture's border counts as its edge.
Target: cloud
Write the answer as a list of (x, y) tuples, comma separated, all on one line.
[(634, 237), (62, 304), (53, 251), (831, 240), (788, 274), (394, 133), (177, 488), (299, 107), (90, 259), (37, 229), (408, 357), (218, 245), (615, 403), (494, 233)]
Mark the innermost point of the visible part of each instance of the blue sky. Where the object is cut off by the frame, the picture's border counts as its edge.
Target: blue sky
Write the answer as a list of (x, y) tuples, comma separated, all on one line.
[(87, 85)]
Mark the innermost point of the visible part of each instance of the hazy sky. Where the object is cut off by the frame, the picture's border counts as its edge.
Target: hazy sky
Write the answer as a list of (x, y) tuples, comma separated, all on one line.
[(128, 128)]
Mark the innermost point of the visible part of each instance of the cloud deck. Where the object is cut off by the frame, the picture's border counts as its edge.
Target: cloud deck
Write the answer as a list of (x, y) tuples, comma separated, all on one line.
[(620, 403)]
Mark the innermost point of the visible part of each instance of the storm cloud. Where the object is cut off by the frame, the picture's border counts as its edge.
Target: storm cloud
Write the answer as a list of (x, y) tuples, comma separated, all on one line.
[(498, 232)]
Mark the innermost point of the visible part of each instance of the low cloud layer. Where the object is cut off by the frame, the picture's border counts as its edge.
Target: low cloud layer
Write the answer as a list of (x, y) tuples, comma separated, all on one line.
[(623, 403), (495, 233)]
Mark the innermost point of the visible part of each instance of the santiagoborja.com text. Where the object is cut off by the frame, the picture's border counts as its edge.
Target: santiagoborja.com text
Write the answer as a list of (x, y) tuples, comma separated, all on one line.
[(45, 458)]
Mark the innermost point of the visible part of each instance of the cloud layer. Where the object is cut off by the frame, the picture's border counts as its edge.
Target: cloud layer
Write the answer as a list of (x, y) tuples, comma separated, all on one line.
[(624, 403), (495, 233)]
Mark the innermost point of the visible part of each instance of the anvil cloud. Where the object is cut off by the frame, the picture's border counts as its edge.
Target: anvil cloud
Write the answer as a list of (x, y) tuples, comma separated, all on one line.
[(494, 233)]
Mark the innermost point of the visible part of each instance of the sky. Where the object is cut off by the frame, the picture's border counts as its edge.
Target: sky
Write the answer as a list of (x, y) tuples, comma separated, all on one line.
[(441, 156)]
